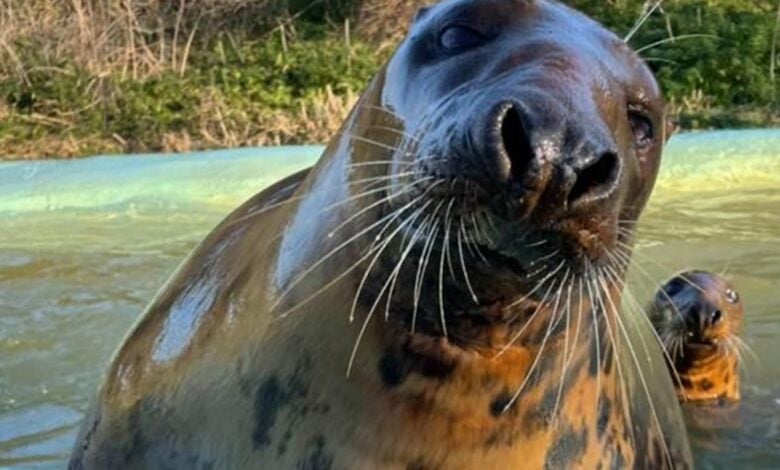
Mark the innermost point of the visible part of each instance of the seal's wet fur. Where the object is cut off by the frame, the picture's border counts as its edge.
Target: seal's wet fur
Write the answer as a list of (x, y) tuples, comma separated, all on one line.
[(459, 249), (699, 316)]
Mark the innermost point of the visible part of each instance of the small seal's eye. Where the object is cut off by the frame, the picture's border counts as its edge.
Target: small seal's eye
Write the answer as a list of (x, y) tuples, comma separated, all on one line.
[(642, 128), (457, 38), (731, 296)]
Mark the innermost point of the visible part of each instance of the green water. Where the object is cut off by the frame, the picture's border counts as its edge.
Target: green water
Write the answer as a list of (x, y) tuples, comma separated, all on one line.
[(84, 245)]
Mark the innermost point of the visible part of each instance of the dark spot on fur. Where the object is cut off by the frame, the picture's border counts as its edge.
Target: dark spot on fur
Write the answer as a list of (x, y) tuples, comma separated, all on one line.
[(605, 410), (499, 403), (392, 370), (273, 396), (706, 384), (568, 447), (419, 464), (686, 382), (315, 456), (269, 400), (618, 460)]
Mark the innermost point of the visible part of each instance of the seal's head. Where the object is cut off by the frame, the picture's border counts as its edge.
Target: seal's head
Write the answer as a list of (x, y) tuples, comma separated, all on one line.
[(536, 133), (698, 316)]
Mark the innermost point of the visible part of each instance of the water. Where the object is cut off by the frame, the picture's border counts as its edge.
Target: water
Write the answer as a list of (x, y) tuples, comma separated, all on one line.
[(84, 245)]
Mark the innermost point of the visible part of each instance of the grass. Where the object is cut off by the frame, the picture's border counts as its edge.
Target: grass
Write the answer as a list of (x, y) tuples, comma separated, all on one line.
[(84, 77)]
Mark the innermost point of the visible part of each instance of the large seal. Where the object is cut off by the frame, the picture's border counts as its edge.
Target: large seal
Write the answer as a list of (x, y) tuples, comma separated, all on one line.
[(698, 315), (440, 290)]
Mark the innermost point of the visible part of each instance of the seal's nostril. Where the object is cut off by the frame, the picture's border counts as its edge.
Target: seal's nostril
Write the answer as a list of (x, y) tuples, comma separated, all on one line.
[(516, 143), (597, 179), (716, 316)]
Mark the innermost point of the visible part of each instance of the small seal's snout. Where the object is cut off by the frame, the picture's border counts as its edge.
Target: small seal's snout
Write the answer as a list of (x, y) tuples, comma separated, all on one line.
[(701, 316)]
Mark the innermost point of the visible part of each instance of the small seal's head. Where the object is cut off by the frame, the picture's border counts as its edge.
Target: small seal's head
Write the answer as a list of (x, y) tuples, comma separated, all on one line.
[(697, 314), (533, 133)]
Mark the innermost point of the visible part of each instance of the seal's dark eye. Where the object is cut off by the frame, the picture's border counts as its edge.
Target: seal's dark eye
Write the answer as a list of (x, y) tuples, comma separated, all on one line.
[(458, 38), (642, 128), (731, 296)]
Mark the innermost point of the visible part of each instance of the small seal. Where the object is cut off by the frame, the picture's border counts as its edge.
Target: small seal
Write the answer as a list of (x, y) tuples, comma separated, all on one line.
[(698, 315), (440, 291)]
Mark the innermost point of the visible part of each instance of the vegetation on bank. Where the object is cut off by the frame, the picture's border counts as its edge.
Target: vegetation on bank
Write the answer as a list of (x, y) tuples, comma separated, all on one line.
[(80, 77)]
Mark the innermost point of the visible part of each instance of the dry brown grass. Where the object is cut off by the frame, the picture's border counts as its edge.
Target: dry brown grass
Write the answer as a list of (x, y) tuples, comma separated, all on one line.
[(134, 38), (386, 21)]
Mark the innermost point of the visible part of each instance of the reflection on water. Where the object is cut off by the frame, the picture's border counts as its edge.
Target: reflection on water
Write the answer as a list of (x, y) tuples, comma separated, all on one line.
[(72, 280)]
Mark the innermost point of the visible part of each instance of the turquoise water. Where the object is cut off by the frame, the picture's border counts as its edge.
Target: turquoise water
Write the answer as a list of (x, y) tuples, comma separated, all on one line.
[(85, 244)]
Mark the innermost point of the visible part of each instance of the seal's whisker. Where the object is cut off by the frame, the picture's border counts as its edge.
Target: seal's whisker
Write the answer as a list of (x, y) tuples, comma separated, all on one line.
[(385, 286), (370, 312), (596, 333), (530, 319), (653, 281), (463, 267), (442, 313), (368, 208), (405, 253), (388, 162), (674, 39), (642, 378), (398, 131), (389, 217), (639, 311), (425, 257), (376, 143), (447, 232), (475, 241), (291, 200), (385, 243), (538, 285), (683, 276), (566, 357), (538, 356), (641, 21), (602, 290)]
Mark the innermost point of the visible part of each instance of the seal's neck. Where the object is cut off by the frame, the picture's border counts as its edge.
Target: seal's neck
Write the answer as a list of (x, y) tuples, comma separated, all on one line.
[(707, 376)]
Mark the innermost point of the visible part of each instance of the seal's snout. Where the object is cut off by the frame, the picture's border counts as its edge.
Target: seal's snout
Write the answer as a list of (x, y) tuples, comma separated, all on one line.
[(533, 160), (701, 317)]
